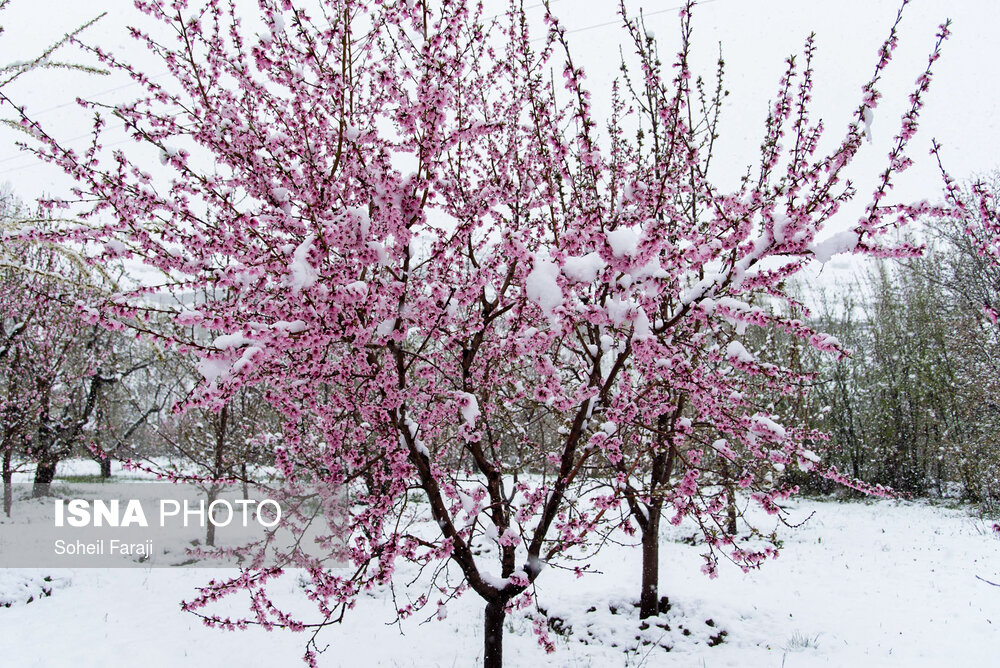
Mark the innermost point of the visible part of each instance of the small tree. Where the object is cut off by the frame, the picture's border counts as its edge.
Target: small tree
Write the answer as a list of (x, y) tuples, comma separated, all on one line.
[(51, 360), (692, 269), (213, 448), (53, 365), (18, 408)]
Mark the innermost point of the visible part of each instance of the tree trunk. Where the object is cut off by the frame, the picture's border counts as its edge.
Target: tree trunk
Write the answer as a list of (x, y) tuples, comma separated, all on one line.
[(649, 599), (493, 635), (45, 473), (940, 478), (8, 486), (727, 481), (213, 494), (106, 467), (8, 493)]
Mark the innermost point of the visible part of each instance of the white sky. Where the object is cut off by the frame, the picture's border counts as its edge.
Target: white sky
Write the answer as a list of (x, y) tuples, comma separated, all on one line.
[(756, 35)]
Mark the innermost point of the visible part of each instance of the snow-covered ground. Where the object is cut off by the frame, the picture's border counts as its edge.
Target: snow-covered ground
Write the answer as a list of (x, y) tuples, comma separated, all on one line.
[(861, 584)]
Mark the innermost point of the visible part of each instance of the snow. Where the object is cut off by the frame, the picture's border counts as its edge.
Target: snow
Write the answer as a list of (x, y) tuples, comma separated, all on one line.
[(807, 459), (624, 241), (468, 504), (733, 305), (583, 269), (278, 22), (421, 448), (360, 214), (652, 269), (226, 341), (380, 253), (860, 584), (493, 580), (618, 310), (213, 369), (22, 586), (842, 242), (700, 289), (411, 426), (116, 246), (167, 153), (303, 274), (385, 327), (641, 329), (245, 362), (293, 327), (780, 223), (764, 424), (736, 351), (722, 447), (869, 118), (469, 407), (357, 287), (828, 340), (541, 285)]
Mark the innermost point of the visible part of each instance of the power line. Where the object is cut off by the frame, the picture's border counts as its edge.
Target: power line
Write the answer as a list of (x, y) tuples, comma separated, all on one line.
[(101, 93), (618, 21)]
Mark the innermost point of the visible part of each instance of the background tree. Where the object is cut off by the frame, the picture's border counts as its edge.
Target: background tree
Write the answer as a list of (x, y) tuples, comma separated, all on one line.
[(914, 406), (53, 364), (971, 277), (893, 408)]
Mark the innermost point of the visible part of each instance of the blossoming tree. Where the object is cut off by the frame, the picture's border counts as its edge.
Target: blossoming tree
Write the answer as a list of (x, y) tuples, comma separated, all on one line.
[(451, 282), (693, 267), (53, 366)]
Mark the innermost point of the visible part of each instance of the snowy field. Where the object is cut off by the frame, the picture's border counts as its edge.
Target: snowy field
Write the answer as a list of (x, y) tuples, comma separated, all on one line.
[(860, 584)]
